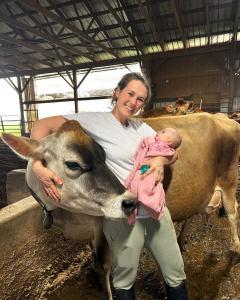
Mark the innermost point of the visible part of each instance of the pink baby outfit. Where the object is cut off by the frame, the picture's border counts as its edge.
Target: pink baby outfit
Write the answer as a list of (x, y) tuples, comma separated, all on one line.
[(151, 195)]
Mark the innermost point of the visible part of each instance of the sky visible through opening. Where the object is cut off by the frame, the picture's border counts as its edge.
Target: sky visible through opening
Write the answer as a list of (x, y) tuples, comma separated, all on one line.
[(100, 80)]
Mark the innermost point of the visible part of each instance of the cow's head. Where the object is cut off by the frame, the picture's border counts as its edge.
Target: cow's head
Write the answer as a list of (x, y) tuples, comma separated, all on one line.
[(235, 116), (88, 185), (182, 107)]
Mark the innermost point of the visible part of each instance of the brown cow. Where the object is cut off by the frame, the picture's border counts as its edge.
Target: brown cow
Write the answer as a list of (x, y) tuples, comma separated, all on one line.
[(208, 157), (181, 107), (235, 116)]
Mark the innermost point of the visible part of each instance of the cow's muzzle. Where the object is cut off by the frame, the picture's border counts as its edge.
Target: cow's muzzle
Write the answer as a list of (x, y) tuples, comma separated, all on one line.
[(128, 206)]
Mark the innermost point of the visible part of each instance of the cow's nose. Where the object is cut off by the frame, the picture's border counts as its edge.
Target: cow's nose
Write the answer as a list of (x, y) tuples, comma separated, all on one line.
[(128, 206)]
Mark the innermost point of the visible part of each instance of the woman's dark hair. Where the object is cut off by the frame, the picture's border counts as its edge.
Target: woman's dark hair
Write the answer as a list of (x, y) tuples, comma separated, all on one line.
[(125, 81)]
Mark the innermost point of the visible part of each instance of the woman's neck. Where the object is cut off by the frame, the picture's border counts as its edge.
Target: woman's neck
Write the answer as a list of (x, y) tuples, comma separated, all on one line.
[(123, 121)]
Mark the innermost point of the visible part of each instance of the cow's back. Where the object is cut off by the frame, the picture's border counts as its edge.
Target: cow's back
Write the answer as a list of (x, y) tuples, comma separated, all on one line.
[(190, 181)]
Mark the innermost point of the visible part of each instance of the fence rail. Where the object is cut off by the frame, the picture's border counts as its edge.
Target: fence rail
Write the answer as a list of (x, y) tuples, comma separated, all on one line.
[(10, 124)]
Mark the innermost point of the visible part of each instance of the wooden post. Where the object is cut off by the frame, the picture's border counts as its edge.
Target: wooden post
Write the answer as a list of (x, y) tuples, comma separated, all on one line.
[(19, 90), (146, 67), (75, 89), (232, 77)]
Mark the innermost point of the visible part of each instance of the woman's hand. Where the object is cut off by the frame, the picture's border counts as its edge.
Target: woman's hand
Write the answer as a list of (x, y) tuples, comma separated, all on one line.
[(156, 165), (48, 180)]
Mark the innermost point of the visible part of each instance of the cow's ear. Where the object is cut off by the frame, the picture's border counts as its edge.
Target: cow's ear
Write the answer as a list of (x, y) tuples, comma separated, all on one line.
[(169, 108), (191, 105), (233, 115), (180, 101), (23, 147)]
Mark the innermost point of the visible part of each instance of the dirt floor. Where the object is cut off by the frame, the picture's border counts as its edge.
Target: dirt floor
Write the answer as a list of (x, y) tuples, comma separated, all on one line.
[(213, 271)]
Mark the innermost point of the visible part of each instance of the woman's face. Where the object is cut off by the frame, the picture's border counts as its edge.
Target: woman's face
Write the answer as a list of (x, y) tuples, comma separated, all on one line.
[(130, 100)]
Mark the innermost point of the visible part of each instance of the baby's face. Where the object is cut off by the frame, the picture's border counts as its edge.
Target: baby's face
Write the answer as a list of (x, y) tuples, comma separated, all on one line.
[(167, 135)]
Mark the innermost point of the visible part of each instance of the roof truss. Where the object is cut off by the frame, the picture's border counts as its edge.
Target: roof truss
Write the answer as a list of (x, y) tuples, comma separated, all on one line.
[(47, 36)]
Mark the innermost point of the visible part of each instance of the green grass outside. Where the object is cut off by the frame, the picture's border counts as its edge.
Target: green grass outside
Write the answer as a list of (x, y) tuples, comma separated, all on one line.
[(14, 129)]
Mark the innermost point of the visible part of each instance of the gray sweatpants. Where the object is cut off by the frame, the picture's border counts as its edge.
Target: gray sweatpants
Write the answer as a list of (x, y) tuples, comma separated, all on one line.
[(126, 242)]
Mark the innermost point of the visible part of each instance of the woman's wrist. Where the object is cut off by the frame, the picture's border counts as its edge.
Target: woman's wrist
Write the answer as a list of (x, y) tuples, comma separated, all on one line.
[(162, 161), (37, 164)]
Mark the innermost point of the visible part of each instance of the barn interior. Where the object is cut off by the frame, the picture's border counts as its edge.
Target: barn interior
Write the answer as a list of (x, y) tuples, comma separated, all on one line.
[(189, 49)]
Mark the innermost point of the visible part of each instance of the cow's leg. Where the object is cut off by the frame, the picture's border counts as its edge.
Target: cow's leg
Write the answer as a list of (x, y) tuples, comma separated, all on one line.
[(230, 206), (102, 257), (183, 233)]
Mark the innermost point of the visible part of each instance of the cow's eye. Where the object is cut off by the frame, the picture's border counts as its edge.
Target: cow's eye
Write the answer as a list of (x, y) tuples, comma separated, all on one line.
[(72, 165)]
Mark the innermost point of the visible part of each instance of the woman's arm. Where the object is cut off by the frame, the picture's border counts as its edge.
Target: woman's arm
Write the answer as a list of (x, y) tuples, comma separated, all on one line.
[(46, 126), (48, 179)]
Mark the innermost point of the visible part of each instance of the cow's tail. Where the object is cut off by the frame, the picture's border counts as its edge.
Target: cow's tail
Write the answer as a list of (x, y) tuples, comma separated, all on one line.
[(216, 202)]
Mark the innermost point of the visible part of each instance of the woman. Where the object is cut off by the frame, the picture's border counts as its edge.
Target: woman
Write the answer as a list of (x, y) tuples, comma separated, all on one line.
[(120, 135)]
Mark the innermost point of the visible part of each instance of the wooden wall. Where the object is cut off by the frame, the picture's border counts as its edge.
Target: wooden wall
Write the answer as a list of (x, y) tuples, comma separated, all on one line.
[(196, 77)]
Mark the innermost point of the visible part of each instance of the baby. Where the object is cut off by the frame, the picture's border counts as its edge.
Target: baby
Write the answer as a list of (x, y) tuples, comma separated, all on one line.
[(150, 194)]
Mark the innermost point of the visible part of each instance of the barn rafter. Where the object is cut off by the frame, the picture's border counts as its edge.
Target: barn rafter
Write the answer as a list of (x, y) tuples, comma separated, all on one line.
[(54, 36)]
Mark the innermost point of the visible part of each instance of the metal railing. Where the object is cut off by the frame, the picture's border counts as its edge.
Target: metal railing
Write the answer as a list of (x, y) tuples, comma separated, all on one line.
[(10, 124)]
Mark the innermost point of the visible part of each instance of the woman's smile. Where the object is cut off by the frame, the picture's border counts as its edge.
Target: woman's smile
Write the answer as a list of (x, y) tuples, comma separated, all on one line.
[(129, 100)]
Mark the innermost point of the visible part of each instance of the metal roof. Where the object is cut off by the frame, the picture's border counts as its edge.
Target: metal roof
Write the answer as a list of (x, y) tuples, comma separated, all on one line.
[(55, 35)]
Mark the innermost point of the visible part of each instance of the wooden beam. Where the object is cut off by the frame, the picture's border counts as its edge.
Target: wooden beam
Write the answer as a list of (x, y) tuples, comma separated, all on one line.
[(56, 50), (13, 61), (67, 99), (132, 59), (129, 23), (24, 56), (18, 32), (78, 17), (34, 20), (151, 24), (179, 23), (26, 83), (100, 24), (70, 84), (9, 81), (30, 46), (155, 19), (124, 27), (66, 24), (129, 7), (5, 2), (142, 21), (45, 36), (84, 77), (60, 13)]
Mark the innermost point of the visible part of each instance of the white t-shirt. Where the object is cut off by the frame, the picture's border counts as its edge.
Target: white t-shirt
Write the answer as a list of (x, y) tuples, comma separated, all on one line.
[(119, 142)]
